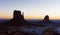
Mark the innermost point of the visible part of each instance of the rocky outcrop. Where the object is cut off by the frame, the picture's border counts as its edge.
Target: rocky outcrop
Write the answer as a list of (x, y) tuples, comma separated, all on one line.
[(46, 20), (17, 20)]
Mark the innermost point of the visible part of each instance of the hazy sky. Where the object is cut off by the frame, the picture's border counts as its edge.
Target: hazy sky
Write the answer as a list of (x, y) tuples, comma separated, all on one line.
[(33, 9)]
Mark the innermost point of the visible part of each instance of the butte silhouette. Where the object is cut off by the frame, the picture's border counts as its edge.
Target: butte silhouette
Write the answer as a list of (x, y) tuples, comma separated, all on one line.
[(17, 20), (46, 20)]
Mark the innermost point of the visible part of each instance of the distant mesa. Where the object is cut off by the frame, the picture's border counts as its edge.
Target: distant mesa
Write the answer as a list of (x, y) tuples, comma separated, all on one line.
[(46, 20)]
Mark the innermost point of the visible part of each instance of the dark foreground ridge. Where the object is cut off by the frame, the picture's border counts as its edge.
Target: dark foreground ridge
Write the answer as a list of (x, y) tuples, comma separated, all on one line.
[(13, 26)]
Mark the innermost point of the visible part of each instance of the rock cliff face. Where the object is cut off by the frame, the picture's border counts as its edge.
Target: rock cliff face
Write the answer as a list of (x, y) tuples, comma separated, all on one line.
[(17, 20), (17, 16)]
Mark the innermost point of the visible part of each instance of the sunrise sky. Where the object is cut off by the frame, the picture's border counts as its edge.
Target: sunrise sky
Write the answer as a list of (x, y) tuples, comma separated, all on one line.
[(33, 9)]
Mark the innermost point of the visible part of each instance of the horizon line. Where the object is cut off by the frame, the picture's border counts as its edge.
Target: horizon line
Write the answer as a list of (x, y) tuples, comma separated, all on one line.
[(31, 19)]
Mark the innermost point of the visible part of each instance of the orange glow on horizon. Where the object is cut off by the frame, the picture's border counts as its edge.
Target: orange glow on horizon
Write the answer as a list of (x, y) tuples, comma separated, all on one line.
[(42, 17), (32, 17), (6, 17)]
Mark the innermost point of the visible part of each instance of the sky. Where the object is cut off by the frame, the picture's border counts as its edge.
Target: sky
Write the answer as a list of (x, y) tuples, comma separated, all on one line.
[(33, 9)]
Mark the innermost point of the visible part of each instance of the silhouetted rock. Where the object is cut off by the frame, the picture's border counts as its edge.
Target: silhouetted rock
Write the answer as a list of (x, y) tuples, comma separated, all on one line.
[(46, 20), (16, 14), (17, 17), (17, 20)]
